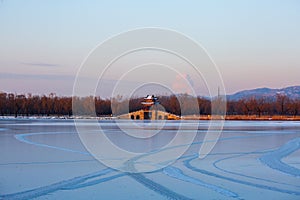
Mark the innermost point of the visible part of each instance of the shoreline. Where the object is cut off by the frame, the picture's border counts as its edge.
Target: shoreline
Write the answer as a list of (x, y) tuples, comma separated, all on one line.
[(191, 117), (244, 118)]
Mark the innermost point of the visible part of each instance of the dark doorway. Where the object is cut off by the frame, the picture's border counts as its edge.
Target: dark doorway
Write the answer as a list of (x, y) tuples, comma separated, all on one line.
[(147, 115)]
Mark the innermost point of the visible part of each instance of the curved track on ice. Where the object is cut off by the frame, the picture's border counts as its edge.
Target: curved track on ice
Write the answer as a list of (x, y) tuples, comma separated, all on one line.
[(272, 159)]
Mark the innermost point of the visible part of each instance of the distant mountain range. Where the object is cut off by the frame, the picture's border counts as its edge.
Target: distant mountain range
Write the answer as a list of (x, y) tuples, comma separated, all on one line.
[(292, 92)]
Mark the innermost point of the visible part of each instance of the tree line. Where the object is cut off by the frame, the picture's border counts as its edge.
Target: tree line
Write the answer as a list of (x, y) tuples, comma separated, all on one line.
[(51, 105)]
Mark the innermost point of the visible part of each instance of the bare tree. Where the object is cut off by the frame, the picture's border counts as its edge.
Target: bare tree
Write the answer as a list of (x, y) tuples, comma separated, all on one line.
[(281, 102), (294, 107)]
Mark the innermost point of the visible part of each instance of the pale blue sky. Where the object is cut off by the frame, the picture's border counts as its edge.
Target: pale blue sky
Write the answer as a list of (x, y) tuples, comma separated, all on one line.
[(254, 43)]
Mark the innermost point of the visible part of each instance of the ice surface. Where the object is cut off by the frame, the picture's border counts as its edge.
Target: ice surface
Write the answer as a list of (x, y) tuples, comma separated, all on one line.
[(273, 158), (44, 158)]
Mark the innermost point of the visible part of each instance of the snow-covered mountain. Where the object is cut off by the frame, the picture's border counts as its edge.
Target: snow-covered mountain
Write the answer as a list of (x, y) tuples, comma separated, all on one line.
[(292, 92)]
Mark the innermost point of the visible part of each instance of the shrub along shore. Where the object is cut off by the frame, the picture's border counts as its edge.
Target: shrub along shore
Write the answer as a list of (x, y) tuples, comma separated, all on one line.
[(244, 118)]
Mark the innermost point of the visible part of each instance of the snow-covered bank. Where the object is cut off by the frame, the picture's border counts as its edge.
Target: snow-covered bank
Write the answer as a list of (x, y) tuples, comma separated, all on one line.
[(56, 117)]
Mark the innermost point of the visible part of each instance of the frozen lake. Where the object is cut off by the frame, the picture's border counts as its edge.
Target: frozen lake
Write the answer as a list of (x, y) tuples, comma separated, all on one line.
[(45, 159)]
